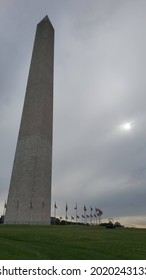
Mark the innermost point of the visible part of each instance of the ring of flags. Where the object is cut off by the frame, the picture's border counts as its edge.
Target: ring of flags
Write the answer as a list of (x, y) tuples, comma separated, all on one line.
[(95, 214), (84, 217)]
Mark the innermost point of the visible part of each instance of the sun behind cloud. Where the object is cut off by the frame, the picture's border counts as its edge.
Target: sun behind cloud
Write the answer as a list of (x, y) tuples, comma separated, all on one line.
[(127, 126)]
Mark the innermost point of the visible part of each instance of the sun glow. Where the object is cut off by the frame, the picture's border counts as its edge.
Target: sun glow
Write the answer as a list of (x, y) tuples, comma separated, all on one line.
[(127, 126)]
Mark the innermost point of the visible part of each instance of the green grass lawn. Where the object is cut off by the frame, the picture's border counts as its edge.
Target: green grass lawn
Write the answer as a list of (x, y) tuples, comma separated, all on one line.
[(71, 242)]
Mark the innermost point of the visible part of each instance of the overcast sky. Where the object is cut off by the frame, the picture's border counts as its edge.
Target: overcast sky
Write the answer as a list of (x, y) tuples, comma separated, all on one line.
[(99, 86)]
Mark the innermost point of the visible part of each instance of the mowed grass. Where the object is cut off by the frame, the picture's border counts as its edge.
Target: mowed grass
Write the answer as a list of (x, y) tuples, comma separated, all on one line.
[(23, 242)]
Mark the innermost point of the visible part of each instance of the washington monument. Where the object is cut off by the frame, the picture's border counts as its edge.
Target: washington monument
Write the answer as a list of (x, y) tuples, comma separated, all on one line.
[(29, 198)]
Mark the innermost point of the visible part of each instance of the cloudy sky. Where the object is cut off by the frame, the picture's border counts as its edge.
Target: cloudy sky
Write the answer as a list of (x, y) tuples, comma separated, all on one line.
[(99, 146)]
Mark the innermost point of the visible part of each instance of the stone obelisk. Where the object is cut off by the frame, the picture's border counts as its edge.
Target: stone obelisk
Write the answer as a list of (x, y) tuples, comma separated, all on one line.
[(29, 198)]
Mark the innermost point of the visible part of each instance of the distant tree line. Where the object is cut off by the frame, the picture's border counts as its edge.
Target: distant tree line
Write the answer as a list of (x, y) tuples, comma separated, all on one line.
[(110, 224)]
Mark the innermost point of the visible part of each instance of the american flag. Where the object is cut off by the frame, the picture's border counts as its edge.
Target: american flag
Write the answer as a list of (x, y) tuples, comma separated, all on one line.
[(75, 207)]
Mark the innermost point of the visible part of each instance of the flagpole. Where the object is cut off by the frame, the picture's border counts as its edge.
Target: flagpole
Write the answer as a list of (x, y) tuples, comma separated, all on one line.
[(66, 212), (76, 212), (55, 207), (85, 209), (91, 214), (96, 215)]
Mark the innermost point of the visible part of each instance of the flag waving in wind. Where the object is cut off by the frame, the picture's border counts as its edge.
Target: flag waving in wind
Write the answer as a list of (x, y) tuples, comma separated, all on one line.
[(66, 208), (55, 207), (76, 212), (75, 207)]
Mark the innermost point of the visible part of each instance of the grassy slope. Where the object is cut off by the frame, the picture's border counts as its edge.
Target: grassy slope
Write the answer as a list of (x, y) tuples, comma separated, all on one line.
[(71, 242)]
